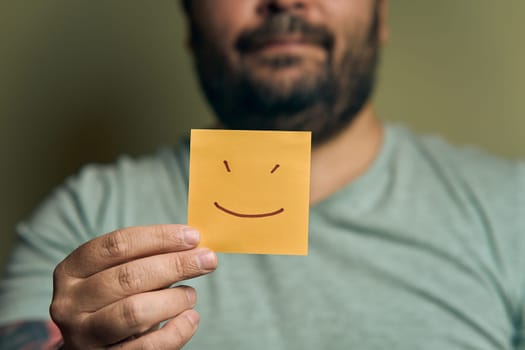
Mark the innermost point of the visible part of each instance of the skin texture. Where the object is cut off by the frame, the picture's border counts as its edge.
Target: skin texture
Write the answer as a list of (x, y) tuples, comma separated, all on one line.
[(112, 292)]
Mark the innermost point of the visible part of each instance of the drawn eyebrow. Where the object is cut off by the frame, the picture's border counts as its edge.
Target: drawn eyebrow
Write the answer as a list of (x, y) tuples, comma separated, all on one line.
[(227, 166), (275, 168)]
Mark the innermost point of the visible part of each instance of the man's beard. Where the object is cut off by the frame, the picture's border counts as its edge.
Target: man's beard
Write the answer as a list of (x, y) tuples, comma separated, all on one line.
[(324, 102)]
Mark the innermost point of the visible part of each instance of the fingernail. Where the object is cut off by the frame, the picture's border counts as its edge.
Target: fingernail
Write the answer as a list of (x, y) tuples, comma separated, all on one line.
[(192, 316), (206, 259), (191, 236), (191, 295)]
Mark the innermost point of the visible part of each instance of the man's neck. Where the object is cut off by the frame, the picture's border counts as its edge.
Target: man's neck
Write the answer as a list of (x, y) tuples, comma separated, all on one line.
[(345, 157)]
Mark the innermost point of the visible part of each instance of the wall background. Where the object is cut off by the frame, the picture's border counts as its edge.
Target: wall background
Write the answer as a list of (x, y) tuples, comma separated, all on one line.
[(83, 81)]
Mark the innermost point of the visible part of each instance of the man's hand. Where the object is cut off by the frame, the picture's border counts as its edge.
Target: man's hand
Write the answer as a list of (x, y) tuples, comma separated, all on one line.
[(112, 292)]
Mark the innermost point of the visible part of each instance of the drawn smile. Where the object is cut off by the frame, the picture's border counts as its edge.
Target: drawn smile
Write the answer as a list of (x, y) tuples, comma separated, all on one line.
[(241, 215)]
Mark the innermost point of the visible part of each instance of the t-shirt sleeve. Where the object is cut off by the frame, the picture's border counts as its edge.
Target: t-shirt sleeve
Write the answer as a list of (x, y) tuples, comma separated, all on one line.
[(99, 199), (57, 227)]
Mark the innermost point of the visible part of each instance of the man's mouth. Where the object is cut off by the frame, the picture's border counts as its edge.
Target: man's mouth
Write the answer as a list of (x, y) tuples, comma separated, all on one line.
[(279, 43), (244, 215), (284, 31)]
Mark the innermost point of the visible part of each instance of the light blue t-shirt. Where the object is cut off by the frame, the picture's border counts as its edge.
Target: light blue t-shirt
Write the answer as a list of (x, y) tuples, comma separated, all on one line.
[(426, 250)]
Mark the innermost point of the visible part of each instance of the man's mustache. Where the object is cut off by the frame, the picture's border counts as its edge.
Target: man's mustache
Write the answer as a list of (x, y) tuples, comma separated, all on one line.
[(283, 25)]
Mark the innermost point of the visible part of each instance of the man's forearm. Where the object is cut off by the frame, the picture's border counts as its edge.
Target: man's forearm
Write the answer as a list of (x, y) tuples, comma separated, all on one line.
[(30, 335)]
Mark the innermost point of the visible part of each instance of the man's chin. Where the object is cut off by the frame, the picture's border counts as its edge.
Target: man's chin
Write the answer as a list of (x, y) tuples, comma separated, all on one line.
[(284, 70), (282, 86), (287, 83)]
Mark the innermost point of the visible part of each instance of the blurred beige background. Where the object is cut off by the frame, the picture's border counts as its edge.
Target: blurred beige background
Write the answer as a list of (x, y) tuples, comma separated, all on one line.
[(83, 81)]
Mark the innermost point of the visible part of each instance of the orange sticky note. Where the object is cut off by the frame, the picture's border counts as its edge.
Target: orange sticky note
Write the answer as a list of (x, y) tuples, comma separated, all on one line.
[(249, 190)]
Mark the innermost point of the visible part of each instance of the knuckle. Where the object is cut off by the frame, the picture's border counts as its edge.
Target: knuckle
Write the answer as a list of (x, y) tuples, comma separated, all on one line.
[(131, 314), (54, 311), (116, 244), (190, 295), (60, 311), (179, 265), (167, 239), (179, 337), (148, 344), (183, 331), (58, 272), (128, 279)]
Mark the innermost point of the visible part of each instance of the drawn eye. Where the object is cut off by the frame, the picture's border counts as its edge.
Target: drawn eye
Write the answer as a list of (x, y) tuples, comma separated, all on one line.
[(275, 168), (227, 166)]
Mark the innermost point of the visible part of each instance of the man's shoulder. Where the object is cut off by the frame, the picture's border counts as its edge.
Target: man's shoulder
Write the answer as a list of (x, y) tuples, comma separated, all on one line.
[(463, 179), (132, 190), (128, 171), (468, 164)]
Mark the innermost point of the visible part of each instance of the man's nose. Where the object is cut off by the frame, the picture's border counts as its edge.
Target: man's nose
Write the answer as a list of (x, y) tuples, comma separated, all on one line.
[(269, 7)]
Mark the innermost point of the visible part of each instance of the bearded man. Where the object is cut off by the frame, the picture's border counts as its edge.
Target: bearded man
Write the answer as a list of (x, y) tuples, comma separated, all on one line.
[(414, 244)]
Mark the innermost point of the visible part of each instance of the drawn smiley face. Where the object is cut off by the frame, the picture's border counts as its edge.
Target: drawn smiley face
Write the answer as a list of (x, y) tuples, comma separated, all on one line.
[(249, 190), (248, 215)]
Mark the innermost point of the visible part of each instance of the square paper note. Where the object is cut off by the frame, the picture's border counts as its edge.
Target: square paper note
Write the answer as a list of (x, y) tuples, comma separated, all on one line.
[(249, 190)]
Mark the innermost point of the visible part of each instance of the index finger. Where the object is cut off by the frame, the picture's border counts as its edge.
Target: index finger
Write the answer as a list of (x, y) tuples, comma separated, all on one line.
[(128, 244)]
